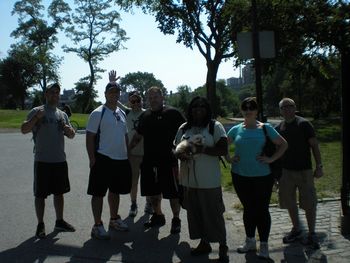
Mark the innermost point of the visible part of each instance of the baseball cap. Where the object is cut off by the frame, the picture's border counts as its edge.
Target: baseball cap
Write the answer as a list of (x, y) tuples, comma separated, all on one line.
[(53, 86)]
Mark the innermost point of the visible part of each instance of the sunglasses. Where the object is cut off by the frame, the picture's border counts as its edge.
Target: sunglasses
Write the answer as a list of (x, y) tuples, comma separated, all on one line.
[(135, 101), (248, 107)]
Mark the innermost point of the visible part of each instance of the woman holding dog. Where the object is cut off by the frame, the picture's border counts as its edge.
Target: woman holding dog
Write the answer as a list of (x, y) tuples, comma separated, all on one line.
[(201, 177), (251, 175)]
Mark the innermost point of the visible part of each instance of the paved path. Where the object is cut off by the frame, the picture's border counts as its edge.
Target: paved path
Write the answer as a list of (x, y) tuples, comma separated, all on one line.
[(18, 222)]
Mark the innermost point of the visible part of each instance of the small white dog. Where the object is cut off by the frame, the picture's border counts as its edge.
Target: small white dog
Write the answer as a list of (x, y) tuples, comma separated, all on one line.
[(187, 148)]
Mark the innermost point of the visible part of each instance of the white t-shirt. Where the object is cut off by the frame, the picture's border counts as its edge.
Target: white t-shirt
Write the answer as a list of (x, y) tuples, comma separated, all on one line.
[(132, 119), (113, 130), (204, 170)]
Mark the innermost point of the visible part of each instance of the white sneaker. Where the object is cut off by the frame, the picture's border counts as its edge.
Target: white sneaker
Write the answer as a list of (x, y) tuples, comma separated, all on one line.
[(118, 224), (264, 250), (249, 245), (99, 232)]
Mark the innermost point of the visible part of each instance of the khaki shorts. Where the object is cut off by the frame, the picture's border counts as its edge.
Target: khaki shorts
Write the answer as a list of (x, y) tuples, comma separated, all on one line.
[(303, 181)]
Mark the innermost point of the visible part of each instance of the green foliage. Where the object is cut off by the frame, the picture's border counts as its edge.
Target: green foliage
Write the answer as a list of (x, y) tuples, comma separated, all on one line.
[(140, 81), (84, 98)]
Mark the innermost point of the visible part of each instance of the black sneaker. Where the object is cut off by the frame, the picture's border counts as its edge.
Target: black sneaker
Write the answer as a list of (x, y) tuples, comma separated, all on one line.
[(155, 221), (292, 236), (223, 254), (40, 231), (63, 226), (175, 225), (202, 249), (312, 241)]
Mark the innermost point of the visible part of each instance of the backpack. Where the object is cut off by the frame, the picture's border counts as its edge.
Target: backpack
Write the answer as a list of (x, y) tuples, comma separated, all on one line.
[(211, 132)]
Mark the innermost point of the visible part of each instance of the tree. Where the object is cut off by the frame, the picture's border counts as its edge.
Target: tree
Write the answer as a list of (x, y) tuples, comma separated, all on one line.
[(207, 25), (140, 81), (84, 98), (38, 34), (95, 33)]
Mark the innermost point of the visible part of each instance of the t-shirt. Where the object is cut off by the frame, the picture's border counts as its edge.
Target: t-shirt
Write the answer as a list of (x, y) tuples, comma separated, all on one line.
[(204, 170), (112, 132), (248, 146), (158, 129), (132, 119), (297, 133), (48, 135)]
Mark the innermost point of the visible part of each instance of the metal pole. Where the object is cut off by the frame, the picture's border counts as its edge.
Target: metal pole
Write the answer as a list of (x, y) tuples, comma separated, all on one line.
[(257, 62)]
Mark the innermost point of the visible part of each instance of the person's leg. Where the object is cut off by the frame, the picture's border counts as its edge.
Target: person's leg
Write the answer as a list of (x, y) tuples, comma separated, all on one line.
[(175, 207), (113, 201), (135, 162), (58, 202), (156, 201), (96, 206), (39, 208)]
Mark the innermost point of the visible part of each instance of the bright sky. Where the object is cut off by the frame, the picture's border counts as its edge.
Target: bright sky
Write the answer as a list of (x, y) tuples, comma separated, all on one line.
[(148, 50)]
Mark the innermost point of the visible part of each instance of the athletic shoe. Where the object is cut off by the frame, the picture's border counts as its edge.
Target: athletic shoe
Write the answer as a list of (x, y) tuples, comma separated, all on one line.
[(312, 241), (63, 226), (249, 245), (118, 224), (99, 232), (223, 256), (175, 225), (40, 230), (149, 208), (202, 249), (292, 236), (133, 210), (155, 221), (264, 250)]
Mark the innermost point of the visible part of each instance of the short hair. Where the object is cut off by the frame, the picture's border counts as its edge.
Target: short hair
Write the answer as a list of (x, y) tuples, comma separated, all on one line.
[(134, 93), (286, 99), (53, 86), (251, 101), (155, 89)]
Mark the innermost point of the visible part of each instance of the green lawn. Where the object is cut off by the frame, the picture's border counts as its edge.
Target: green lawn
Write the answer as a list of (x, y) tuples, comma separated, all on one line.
[(328, 133)]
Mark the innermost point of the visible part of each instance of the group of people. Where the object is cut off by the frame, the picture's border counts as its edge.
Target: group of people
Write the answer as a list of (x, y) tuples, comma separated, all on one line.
[(123, 143)]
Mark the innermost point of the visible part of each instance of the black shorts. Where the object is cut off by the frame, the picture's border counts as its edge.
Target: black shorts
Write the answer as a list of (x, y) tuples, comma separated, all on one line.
[(50, 178), (157, 180), (107, 173)]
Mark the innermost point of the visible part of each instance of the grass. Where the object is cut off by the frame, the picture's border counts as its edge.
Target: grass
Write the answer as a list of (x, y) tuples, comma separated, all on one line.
[(328, 134), (12, 119)]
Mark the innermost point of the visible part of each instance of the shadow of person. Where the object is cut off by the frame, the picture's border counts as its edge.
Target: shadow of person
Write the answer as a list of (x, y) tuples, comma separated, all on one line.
[(31, 250), (137, 245), (183, 251)]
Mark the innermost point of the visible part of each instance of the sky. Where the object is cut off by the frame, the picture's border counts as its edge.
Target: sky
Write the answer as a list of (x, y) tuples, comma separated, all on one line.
[(148, 50)]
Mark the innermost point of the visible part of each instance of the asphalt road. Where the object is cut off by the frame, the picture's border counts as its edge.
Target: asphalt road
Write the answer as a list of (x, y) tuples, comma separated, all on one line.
[(18, 221)]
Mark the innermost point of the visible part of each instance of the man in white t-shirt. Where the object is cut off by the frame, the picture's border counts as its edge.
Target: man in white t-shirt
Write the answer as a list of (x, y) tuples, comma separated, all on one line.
[(106, 144)]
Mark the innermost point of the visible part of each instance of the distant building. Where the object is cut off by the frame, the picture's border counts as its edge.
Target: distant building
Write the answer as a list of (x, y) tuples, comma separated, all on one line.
[(234, 82), (68, 97), (248, 75)]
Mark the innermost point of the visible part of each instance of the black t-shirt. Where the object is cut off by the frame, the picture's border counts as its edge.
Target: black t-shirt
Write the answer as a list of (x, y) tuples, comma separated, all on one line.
[(297, 133), (158, 129)]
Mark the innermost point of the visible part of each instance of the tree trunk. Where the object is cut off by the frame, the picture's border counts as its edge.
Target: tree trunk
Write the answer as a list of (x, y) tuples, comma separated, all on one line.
[(213, 67)]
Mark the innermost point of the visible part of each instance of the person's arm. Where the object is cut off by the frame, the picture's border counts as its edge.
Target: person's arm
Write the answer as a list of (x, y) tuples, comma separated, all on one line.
[(219, 149), (317, 156), (28, 125), (90, 147), (282, 146), (135, 140)]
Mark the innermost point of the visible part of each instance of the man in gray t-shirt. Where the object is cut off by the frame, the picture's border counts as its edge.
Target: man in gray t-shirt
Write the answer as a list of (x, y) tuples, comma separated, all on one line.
[(49, 125)]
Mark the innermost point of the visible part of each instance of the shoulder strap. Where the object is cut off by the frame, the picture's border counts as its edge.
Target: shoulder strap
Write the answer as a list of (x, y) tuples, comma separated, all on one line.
[(211, 127), (264, 129)]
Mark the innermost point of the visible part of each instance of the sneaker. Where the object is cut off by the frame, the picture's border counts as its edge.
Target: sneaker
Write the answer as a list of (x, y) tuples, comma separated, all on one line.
[(249, 245), (40, 230), (149, 208), (63, 226), (155, 221), (264, 250), (99, 232), (223, 256), (118, 224), (175, 225), (312, 241), (202, 249), (133, 210), (292, 236)]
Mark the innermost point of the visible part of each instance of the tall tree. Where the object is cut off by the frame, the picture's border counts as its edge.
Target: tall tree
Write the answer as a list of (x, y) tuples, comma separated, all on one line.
[(140, 81), (205, 24), (37, 33), (95, 33)]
